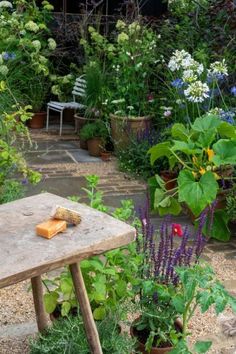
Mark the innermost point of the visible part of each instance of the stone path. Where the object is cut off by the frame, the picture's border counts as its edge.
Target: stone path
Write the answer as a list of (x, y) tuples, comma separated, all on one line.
[(64, 167)]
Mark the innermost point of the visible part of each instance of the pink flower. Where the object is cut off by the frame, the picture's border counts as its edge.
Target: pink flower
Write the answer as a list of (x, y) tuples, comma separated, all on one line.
[(150, 97), (177, 230)]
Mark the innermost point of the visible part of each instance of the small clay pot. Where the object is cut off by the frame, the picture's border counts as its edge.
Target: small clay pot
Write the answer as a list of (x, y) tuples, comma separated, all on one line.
[(38, 120), (106, 156), (94, 147), (154, 350)]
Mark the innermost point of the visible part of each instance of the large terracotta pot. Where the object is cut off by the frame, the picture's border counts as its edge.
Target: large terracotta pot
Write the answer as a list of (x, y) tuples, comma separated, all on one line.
[(38, 120), (79, 123), (95, 147), (124, 128), (154, 350)]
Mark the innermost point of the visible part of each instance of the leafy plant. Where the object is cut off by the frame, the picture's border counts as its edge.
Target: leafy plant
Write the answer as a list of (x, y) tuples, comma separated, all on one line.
[(11, 190), (133, 157), (204, 153), (97, 129), (231, 205), (68, 336)]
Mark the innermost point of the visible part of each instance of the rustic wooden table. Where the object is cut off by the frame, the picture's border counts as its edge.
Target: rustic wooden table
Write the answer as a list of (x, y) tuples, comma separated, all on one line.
[(24, 255)]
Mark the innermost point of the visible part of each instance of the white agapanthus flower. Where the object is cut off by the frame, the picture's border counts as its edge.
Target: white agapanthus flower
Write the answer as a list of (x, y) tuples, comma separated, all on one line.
[(177, 59), (37, 45), (32, 26), (5, 5), (218, 68), (197, 91), (52, 44), (189, 76), (3, 70)]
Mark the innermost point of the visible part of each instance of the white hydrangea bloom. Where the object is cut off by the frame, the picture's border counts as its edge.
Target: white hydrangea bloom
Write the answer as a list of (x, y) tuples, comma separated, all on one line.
[(197, 92), (5, 5), (218, 68), (32, 26), (3, 70), (37, 45), (52, 44), (177, 59)]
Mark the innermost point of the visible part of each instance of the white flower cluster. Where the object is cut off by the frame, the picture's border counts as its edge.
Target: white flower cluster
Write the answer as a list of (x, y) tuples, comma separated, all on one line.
[(184, 61), (197, 91), (32, 26), (218, 68), (3, 70), (178, 58), (5, 5), (37, 45), (52, 44)]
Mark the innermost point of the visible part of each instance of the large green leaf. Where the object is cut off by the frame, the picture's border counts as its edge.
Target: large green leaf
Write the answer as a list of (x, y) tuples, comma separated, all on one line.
[(225, 152), (197, 194), (159, 195), (179, 131), (219, 230), (206, 123), (202, 347), (99, 313), (158, 151), (206, 139), (50, 301), (227, 130), (174, 208), (188, 148)]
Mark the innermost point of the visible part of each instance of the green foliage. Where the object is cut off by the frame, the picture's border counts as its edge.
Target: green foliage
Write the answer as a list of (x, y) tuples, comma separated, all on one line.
[(12, 162), (68, 336), (133, 158), (128, 58), (11, 190), (97, 129), (231, 205), (203, 151), (25, 47)]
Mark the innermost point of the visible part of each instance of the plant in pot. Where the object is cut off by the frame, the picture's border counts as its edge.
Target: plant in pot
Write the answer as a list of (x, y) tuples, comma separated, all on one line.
[(129, 59), (93, 99), (36, 96), (205, 153), (95, 134), (173, 284)]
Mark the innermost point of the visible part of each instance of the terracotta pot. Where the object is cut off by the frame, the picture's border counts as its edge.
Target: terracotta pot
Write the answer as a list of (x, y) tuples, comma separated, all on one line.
[(123, 128), (38, 120), (94, 146), (79, 123), (168, 177), (106, 155), (154, 350)]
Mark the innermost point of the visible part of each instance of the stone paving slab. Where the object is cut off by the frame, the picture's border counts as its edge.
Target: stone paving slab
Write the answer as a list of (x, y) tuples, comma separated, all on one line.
[(49, 157)]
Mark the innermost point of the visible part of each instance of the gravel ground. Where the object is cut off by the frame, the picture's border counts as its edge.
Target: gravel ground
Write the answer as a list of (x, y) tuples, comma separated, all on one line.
[(16, 306)]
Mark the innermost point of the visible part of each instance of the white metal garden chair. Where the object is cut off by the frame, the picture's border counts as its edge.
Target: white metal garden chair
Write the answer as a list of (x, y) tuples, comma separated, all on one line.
[(78, 91)]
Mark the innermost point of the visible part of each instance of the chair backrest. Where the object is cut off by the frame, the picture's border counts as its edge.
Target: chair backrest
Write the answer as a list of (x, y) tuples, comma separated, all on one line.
[(79, 87)]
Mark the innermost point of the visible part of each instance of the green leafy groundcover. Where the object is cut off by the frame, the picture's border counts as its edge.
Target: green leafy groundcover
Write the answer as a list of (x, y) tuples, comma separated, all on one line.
[(67, 336)]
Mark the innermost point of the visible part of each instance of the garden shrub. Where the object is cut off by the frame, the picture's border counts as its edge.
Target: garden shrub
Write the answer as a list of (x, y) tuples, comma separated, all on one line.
[(68, 336)]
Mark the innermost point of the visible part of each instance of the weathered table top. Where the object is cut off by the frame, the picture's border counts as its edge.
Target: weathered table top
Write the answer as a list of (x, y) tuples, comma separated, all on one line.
[(24, 255)]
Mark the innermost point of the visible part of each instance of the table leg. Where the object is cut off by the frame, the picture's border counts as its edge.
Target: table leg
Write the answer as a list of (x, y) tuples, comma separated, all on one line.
[(37, 289), (82, 296)]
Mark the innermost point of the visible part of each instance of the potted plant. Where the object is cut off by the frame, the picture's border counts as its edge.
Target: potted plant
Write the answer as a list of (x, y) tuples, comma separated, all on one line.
[(95, 134), (204, 153), (36, 97), (173, 284), (93, 99), (128, 59)]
